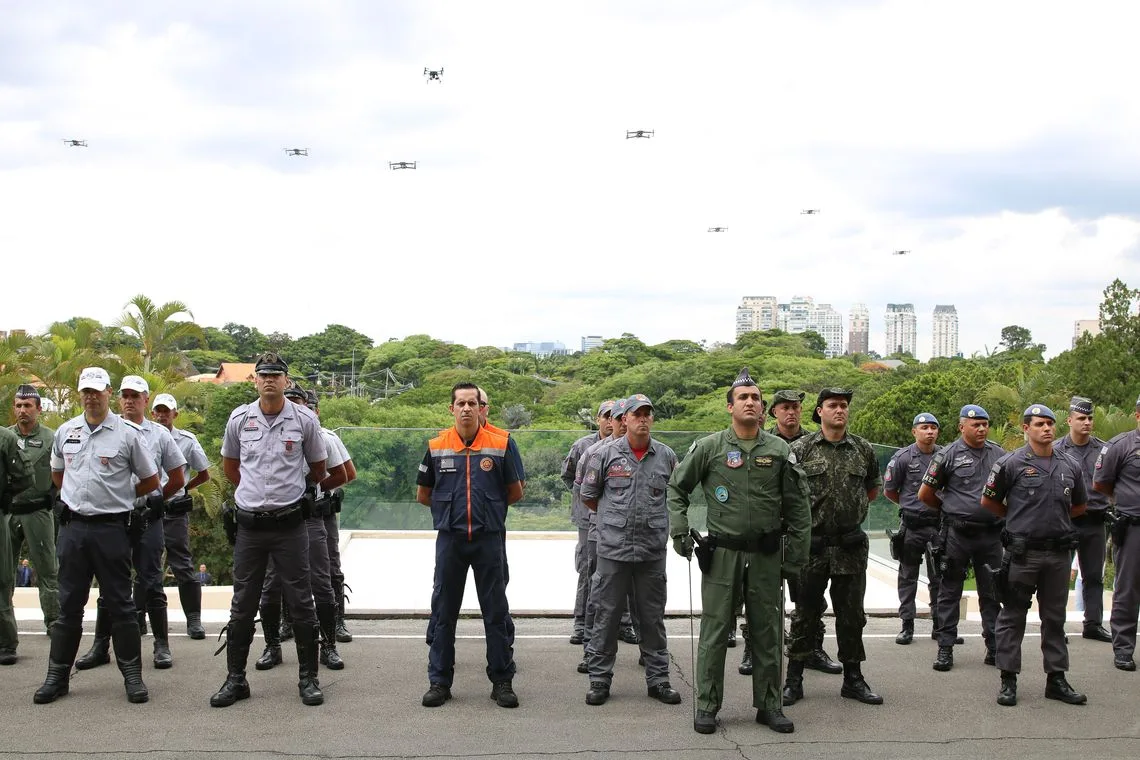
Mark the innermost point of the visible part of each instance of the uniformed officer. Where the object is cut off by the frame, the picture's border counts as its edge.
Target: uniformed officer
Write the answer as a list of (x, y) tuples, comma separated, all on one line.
[(332, 527), (755, 494), (176, 520), (625, 483), (787, 410), (31, 509), (953, 485), (919, 525), (100, 464), (266, 448), (468, 478), (13, 478), (1118, 477), (1037, 490), (1085, 447), (842, 477), (580, 515), (150, 596)]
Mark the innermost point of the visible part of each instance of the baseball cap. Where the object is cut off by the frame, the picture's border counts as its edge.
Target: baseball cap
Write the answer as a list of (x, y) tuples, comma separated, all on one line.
[(605, 406), (94, 379), (164, 399), (636, 401), (925, 418), (619, 408), (270, 363), (824, 395), (974, 412), (134, 383), (1039, 410)]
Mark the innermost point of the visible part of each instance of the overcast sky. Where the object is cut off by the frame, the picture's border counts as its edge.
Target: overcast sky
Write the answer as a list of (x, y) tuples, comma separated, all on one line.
[(995, 141)]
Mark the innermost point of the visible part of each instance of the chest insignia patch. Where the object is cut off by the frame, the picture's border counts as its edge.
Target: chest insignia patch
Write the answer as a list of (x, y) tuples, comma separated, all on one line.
[(619, 470), (721, 494), (1029, 471), (35, 443), (104, 461), (486, 464), (733, 459), (763, 461), (288, 445)]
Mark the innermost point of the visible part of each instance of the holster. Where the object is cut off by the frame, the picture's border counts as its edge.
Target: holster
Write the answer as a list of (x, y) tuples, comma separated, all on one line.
[(308, 502), (1000, 579), (229, 521), (180, 505), (703, 549), (897, 542), (323, 507), (1015, 546), (1118, 528), (62, 512), (155, 507), (137, 524), (337, 497), (937, 549)]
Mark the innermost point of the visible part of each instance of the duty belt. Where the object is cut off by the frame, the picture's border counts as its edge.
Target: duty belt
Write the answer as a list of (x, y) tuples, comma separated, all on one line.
[(274, 519), (104, 517), (971, 528), (179, 506), (1127, 519), (765, 543), (845, 538), (914, 519), (323, 507), (1020, 544), (27, 507)]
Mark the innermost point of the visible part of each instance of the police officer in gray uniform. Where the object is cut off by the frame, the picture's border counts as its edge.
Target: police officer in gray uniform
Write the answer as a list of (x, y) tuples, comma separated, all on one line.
[(970, 533), (625, 482), (1038, 490), (919, 525), (580, 516), (150, 597), (1118, 475), (101, 464), (176, 521), (265, 449), (1085, 447)]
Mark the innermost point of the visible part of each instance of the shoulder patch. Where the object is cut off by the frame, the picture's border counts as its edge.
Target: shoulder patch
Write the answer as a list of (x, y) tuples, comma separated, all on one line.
[(134, 425), (692, 447)]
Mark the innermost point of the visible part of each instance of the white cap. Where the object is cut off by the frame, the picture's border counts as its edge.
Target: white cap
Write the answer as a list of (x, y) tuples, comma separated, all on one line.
[(95, 379), (134, 383), (164, 399)]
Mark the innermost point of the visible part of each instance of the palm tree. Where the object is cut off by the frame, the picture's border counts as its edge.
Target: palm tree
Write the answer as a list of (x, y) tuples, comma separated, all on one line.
[(1007, 402), (57, 358), (153, 326)]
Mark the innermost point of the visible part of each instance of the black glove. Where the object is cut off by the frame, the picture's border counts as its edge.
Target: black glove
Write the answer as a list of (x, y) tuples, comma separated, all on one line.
[(683, 545)]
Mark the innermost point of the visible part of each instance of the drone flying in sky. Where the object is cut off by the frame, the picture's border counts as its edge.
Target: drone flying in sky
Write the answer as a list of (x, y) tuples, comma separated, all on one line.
[(296, 151), (431, 75), (899, 253), (394, 165), (635, 133), (810, 211), (75, 143), (717, 229)]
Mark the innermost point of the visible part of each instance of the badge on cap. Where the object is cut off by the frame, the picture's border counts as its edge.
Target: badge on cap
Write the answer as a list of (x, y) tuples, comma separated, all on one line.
[(734, 459), (971, 413), (721, 494)]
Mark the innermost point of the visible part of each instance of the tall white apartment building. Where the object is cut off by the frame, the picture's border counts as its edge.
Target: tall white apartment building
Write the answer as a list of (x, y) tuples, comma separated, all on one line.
[(945, 331), (902, 329), (756, 313)]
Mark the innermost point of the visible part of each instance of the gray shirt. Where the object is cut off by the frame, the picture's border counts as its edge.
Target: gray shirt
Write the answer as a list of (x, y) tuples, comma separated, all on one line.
[(167, 455), (193, 452), (1119, 466), (580, 473), (1038, 492), (633, 518), (579, 514), (1086, 456), (272, 458), (100, 467), (334, 458), (904, 475), (959, 472)]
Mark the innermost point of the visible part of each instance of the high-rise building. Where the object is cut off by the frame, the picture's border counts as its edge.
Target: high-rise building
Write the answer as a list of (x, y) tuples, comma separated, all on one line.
[(859, 335), (755, 313), (802, 313), (542, 349), (591, 341), (1085, 326), (902, 328), (945, 331)]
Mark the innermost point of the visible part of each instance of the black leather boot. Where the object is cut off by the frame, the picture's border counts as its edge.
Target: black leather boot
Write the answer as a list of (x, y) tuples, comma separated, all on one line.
[(64, 646), (271, 627), (794, 683), (855, 686), (238, 640), (100, 651), (326, 618), (190, 595), (285, 632), (819, 660), (745, 668), (1096, 632), (160, 627), (307, 683), (128, 654), (342, 633), (906, 635), (1056, 687), (775, 720), (945, 659), (140, 614), (1007, 694)]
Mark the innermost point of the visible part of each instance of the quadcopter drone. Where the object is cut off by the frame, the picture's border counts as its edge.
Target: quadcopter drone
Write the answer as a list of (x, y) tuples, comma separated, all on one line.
[(810, 211), (634, 133), (717, 229), (296, 151), (394, 165), (899, 253), (75, 143), (433, 76)]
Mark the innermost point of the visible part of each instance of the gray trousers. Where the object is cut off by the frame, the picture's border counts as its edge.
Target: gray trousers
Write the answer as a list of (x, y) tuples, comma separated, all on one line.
[(914, 551), (1126, 595), (318, 555), (612, 583), (147, 560), (332, 541), (1048, 573), (582, 565), (1090, 556), (962, 550), (289, 551), (176, 534)]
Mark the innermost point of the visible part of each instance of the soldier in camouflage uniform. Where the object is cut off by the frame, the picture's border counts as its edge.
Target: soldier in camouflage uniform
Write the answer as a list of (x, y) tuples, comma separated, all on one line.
[(843, 478)]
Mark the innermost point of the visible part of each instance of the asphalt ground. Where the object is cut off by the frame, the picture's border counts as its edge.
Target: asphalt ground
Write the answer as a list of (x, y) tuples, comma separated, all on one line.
[(372, 707)]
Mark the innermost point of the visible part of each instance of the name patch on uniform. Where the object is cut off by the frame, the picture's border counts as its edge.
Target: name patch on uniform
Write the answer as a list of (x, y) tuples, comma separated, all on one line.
[(35, 443), (251, 425), (733, 459), (721, 494), (619, 470), (1029, 471), (486, 464), (763, 461), (447, 464)]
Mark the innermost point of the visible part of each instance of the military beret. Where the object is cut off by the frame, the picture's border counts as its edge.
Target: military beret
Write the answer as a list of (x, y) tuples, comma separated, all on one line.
[(1081, 405), (824, 395), (973, 412), (925, 418), (1039, 410)]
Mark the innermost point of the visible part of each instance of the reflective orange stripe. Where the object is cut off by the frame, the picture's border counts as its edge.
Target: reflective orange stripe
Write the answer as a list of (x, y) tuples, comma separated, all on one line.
[(469, 531)]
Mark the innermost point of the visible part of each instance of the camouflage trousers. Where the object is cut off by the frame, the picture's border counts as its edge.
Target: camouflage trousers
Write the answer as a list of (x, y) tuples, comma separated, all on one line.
[(847, 592)]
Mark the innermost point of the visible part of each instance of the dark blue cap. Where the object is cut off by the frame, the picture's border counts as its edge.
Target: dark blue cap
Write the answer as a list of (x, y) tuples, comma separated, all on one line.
[(1039, 410), (974, 412), (1081, 405), (925, 418)]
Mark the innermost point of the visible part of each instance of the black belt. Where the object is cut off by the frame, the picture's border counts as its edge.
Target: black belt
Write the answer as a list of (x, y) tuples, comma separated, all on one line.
[(971, 528), (913, 519), (105, 517), (765, 543), (1127, 519), (273, 519), (1019, 544), (28, 507)]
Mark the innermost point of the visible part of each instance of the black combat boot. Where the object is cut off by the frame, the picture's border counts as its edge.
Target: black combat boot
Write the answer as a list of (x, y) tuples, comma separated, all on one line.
[(190, 595), (745, 668), (1056, 687), (158, 624), (64, 647), (598, 694), (140, 614), (1096, 632), (775, 720), (306, 637), (128, 654), (100, 652), (1007, 694), (819, 660), (732, 636), (704, 722), (271, 627), (906, 635), (326, 619), (239, 637), (945, 659), (794, 683), (342, 632), (285, 632), (855, 686)]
